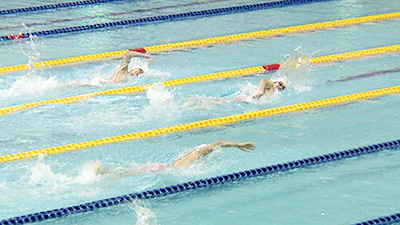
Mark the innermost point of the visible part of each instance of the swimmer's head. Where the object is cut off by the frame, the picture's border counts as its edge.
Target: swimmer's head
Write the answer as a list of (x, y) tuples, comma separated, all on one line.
[(136, 71), (279, 85)]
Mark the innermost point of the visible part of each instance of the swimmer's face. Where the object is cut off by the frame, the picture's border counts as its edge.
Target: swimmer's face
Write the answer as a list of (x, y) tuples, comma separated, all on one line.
[(135, 71), (279, 85)]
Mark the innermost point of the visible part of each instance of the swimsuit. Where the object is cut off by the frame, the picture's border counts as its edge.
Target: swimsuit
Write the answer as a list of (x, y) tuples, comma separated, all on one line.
[(157, 167)]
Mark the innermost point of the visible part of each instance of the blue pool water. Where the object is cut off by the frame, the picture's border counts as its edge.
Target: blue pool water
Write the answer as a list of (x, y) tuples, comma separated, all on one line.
[(344, 192)]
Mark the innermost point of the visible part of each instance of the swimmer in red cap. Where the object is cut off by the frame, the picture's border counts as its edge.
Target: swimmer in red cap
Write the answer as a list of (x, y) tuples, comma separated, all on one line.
[(122, 72), (187, 160)]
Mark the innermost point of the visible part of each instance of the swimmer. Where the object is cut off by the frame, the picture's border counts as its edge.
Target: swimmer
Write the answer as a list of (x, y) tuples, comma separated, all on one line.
[(267, 87), (187, 160), (122, 72)]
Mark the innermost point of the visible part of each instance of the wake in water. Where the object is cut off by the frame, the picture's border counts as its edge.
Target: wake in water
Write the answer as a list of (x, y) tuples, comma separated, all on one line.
[(81, 182)]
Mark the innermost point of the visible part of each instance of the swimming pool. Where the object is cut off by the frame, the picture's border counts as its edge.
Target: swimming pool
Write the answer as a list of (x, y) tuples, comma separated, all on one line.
[(342, 192)]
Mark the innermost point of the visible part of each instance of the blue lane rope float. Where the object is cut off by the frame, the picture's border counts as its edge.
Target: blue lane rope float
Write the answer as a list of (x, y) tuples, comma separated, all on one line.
[(52, 6), (203, 183), (163, 18), (395, 218)]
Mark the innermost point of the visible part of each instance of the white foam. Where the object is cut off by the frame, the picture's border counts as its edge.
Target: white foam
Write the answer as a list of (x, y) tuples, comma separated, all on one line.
[(29, 85), (43, 174), (161, 101), (144, 214)]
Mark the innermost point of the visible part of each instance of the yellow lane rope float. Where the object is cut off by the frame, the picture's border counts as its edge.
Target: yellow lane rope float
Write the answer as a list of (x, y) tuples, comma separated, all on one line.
[(232, 73), (208, 41), (203, 124)]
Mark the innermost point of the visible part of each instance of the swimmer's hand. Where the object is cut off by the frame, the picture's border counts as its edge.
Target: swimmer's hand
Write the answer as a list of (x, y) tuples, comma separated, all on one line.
[(247, 146)]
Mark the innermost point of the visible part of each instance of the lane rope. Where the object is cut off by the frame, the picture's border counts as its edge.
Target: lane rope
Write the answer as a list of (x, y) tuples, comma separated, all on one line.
[(53, 6), (206, 42), (207, 183), (112, 14), (208, 77), (392, 219), (162, 18), (202, 124)]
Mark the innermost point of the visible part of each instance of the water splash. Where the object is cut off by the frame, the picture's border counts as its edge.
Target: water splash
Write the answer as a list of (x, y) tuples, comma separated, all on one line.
[(144, 214), (248, 90), (31, 50), (161, 101), (295, 72), (28, 86), (42, 174)]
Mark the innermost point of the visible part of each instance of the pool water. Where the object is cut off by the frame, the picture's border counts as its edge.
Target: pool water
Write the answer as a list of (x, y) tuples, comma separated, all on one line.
[(343, 192)]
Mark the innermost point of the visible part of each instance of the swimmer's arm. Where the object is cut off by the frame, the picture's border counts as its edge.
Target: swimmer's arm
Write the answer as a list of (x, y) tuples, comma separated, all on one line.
[(263, 86), (128, 56), (131, 54), (120, 75), (195, 155), (245, 146)]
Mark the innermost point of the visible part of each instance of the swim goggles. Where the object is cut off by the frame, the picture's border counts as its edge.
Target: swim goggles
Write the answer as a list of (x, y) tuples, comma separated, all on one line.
[(281, 84)]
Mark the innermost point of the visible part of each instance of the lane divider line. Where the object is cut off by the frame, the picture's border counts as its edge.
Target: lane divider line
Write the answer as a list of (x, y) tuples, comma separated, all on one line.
[(162, 18), (52, 6), (208, 77), (111, 14), (206, 42), (210, 182), (203, 124), (392, 219)]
